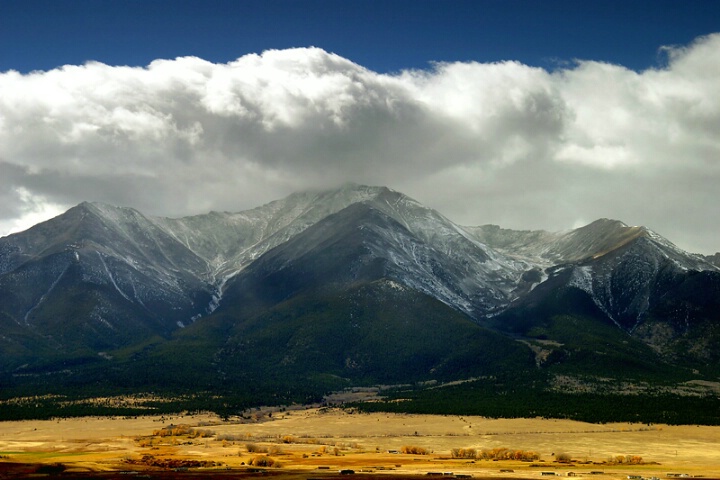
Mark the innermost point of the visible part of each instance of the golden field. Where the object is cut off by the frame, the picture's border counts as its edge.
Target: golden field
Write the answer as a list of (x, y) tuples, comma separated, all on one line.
[(319, 442)]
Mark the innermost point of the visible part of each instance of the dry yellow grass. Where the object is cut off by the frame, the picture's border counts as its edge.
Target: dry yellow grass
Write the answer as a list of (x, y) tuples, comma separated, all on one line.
[(329, 439)]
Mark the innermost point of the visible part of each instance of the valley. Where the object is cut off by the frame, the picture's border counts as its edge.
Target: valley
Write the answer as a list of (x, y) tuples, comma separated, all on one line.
[(305, 442)]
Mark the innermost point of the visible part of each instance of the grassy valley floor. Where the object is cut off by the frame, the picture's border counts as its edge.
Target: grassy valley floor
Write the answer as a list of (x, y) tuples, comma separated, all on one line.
[(320, 442)]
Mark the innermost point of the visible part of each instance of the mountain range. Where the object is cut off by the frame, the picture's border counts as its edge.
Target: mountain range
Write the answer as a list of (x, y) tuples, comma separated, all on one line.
[(353, 286)]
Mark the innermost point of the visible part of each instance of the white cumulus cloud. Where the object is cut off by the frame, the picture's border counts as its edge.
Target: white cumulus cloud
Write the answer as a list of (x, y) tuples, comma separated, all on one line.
[(501, 143)]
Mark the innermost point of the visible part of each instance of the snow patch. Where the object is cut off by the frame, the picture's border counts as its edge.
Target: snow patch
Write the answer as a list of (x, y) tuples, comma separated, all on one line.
[(582, 278), (543, 277), (112, 279), (44, 296)]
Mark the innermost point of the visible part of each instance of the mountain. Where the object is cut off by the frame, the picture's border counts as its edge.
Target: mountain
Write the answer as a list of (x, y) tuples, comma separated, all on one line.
[(594, 240), (636, 279), (230, 242), (388, 236), (353, 286), (96, 277), (623, 269), (714, 259)]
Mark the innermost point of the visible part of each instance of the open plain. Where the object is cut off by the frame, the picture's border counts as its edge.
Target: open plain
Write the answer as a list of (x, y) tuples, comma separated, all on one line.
[(322, 442)]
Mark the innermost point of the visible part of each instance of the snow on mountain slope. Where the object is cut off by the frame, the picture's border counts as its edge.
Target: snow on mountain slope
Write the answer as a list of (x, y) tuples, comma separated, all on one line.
[(98, 275), (623, 269), (478, 270), (714, 259), (625, 281), (545, 249), (535, 247), (378, 238), (231, 241), (487, 277)]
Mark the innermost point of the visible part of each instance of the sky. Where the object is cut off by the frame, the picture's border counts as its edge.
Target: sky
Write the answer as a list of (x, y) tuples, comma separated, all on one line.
[(526, 114)]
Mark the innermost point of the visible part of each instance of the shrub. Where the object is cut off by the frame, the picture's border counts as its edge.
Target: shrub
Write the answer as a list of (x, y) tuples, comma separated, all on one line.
[(202, 433), (563, 457), (255, 448), (463, 453), (180, 430), (413, 450), (264, 461), (502, 453), (631, 459)]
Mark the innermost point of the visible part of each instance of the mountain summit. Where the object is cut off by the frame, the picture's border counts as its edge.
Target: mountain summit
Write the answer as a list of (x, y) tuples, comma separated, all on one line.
[(308, 284)]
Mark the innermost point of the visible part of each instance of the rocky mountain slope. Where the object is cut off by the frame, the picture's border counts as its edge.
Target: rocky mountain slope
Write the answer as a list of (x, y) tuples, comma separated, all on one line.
[(630, 276), (307, 285)]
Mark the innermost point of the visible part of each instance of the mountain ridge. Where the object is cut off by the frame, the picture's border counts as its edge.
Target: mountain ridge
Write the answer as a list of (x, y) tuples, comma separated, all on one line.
[(109, 289)]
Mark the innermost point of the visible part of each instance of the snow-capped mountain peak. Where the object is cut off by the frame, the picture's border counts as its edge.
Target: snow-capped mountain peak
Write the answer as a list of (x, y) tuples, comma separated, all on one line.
[(172, 271)]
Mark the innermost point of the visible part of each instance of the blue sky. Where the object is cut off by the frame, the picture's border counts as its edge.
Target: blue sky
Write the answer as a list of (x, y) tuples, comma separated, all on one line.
[(388, 35), (526, 114)]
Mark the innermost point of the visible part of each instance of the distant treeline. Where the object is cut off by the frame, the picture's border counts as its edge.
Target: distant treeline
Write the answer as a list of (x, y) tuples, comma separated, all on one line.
[(509, 396), (484, 400)]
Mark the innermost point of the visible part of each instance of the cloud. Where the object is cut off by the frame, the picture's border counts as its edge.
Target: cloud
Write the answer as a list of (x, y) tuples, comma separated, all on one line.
[(497, 143)]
